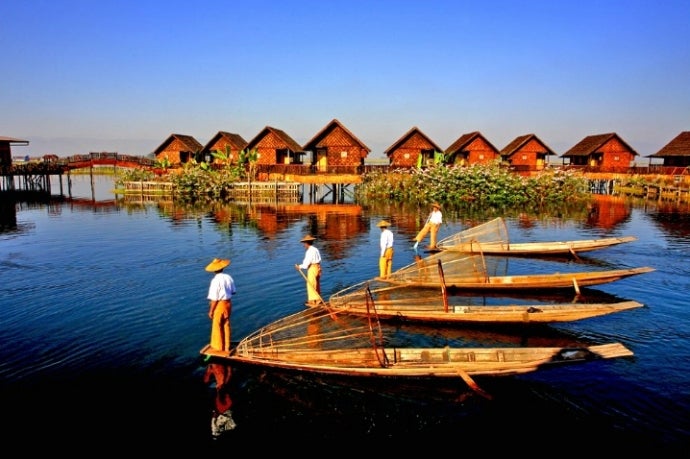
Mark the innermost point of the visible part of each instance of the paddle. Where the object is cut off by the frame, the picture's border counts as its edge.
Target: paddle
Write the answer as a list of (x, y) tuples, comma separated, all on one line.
[(443, 287), (312, 285), (472, 384)]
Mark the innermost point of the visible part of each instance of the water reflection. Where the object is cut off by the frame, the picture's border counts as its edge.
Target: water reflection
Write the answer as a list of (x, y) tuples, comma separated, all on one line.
[(218, 374), (137, 294)]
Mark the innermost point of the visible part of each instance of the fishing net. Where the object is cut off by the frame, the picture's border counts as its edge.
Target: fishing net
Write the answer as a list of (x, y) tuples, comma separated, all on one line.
[(470, 240), (311, 328)]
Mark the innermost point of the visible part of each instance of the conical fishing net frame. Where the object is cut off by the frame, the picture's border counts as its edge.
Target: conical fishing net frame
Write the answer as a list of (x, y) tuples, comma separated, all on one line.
[(471, 239), (315, 329), (454, 266), (402, 290)]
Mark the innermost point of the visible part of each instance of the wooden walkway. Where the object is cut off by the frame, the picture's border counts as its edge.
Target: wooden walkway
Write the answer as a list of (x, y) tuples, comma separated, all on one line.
[(240, 189)]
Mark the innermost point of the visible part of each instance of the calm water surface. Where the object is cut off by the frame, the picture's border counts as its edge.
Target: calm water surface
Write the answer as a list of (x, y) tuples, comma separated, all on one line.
[(103, 314)]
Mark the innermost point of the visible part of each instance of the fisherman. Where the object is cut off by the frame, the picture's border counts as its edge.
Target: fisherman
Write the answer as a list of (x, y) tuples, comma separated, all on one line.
[(386, 245), (220, 294), (312, 263), (432, 225)]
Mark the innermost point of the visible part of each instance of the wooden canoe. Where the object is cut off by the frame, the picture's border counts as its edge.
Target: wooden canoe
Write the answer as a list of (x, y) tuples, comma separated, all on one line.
[(537, 248), (415, 311), (419, 362), (491, 238), (575, 280)]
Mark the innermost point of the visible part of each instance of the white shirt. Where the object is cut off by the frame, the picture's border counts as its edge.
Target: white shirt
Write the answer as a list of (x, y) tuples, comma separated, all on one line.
[(222, 287), (311, 257), (386, 240), (436, 217)]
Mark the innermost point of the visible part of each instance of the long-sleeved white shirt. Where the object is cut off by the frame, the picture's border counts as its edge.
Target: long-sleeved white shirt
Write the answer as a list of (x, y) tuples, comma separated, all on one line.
[(436, 217), (222, 287), (386, 240), (311, 256)]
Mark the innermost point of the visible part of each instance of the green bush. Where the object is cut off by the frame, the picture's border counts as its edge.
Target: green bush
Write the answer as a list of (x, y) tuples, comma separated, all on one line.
[(477, 185)]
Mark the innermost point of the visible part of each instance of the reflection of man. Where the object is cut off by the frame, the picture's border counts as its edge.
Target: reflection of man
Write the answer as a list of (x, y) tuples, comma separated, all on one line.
[(222, 415)]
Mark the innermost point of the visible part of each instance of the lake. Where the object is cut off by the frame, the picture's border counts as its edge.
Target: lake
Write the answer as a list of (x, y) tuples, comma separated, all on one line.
[(103, 314)]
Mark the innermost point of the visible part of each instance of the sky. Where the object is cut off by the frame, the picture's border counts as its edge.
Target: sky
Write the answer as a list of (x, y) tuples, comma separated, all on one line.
[(80, 76)]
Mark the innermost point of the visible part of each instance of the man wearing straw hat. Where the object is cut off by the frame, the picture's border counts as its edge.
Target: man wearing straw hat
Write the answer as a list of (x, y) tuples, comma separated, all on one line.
[(386, 245), (312, 263), (433, 223), (220, 294)]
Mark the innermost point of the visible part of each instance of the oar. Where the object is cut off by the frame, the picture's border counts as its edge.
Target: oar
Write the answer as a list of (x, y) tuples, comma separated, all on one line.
[(325, 305), (312, 285), (472, 384), (443, 287)]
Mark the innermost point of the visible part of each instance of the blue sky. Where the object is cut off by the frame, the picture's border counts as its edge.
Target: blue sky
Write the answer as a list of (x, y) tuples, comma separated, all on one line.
[(79, 76)]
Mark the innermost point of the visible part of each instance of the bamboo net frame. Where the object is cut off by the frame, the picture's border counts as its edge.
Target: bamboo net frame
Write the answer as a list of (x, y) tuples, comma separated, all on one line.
[(494, 231)]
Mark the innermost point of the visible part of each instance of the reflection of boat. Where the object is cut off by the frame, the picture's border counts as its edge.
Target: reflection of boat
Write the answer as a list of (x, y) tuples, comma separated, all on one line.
[(322, 341), (491, 238), (408, 304), (468, 272)]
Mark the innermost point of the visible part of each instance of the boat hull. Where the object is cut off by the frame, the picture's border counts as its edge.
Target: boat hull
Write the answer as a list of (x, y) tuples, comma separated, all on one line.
[(521, 282), (537, 249), (504, 314), (419, 362)]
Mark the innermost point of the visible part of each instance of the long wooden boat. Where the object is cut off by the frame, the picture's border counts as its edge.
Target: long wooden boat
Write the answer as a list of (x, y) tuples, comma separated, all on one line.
[(468, 272), (410, 304), (525, 282), (491, 238), (420, 362), (537, 248), (322, 341), (417, 311)]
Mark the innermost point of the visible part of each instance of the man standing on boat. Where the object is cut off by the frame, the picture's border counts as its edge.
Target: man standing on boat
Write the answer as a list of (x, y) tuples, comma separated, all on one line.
[(432, 225), (220, 294), (386, 245), (312, 263)]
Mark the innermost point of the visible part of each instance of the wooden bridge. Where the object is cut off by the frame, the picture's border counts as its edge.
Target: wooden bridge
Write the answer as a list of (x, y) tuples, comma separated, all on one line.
[(35, 175)]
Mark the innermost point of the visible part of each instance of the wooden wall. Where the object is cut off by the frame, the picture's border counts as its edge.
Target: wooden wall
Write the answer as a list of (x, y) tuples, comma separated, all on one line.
[(405, 155), (531, 154)]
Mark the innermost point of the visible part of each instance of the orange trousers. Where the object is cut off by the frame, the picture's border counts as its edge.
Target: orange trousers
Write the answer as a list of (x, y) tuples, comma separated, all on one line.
[(220, 326), (428, 228), (314, 283), (386, 263)]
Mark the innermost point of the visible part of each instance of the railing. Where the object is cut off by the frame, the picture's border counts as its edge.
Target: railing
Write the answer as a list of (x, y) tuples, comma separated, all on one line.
[(52, 165), (149, 188), (307, 169), (639, 170)]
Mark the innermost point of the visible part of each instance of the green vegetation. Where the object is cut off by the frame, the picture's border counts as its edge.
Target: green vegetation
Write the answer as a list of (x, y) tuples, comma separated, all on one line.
[(486, 186), (476, 186), (198, 181)]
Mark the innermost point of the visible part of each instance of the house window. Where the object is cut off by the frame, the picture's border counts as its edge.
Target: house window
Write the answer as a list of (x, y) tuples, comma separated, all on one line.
[(343, 154), (406, 156), (481, 156), (524, 157), (615, 158)]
